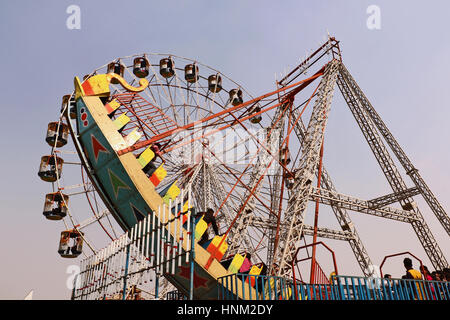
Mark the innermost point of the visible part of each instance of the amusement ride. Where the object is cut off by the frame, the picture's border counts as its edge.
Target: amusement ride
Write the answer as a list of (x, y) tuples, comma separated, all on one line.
[(202, 189)]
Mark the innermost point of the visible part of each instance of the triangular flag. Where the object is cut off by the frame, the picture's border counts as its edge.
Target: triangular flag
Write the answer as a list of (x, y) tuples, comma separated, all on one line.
[(97, 147), (116, 183)]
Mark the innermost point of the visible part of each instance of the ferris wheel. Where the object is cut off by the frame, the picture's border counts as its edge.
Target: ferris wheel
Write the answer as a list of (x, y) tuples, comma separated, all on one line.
[(224, 151), (217, 158), (150, 130)]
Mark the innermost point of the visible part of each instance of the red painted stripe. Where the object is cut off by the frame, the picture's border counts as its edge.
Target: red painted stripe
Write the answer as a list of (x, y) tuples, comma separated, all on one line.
[(108, 108), (154, 179), (87, 88)]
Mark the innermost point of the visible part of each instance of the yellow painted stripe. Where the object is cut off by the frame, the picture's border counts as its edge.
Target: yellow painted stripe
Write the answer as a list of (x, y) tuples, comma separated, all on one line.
[(200, 228), (255, 270), (173, 191), (158, 175), (146, 157), (161, 173), (186, 206), (98, 85), (166, 199), (236, 263), (121, 121), (111, 106)]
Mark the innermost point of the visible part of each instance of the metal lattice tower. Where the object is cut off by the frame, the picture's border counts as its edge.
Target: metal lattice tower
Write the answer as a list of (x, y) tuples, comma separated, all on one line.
[(303, 186), (292, 227)]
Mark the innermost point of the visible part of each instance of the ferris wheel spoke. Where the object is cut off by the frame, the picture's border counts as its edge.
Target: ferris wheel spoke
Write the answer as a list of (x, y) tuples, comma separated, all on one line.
[(183, 101), (172, 98), (167, 98), (149, 92), (75, 186)]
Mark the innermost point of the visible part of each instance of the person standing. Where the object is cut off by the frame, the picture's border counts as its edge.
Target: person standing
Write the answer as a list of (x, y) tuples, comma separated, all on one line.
[(425, 273), (413, 274), (429, 286)]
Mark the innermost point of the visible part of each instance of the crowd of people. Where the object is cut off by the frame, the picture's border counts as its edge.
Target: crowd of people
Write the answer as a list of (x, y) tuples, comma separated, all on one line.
[(440, 275), (423, 274)]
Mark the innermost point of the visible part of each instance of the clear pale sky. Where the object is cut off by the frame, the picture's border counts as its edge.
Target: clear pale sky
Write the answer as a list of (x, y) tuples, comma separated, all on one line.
[(403, 69)]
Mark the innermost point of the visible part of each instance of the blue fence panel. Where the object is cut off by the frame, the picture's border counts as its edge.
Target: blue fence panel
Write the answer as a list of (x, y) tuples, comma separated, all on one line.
[(261, 287)]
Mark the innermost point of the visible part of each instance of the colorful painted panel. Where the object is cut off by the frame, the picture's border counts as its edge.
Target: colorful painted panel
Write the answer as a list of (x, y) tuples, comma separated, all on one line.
[(236, 263), (218, 247), (115, 183)]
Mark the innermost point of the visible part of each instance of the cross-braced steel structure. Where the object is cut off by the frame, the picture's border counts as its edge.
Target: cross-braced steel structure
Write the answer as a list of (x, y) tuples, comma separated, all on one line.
[(373, 129), (262, 205), (256, 162)]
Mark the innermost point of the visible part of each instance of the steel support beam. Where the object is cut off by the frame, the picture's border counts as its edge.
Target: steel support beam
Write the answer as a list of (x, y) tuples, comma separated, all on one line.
[(267, 224), (309, 160), (346, 202), (413, 173), (356, 101), (340, 212), (393, 198)]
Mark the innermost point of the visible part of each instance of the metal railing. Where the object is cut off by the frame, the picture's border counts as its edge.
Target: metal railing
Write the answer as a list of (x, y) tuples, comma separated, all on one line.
[(157, 244), (253, 287), (359, 288), (261, 287)]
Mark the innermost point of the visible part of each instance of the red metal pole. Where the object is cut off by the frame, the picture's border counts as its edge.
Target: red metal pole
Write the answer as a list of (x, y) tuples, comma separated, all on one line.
[(326, 247), (293, 275), (395, 255), (316, 219)]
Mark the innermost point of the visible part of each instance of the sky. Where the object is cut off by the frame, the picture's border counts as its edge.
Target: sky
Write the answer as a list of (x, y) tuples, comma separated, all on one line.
[(402, 67)]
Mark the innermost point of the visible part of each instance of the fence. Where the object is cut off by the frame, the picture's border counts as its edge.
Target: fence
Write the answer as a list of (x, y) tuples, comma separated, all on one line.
[(358, 288), (239, 286), (152, 247)]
